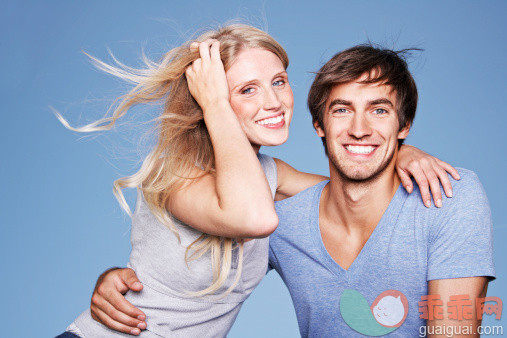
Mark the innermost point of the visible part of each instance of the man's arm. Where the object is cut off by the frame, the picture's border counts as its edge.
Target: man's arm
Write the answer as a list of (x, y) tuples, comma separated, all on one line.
[(460, 255), (109, 306), (473, 287)]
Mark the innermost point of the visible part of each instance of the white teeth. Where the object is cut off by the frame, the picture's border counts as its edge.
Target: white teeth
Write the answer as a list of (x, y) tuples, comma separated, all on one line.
[(273, 120), (360, 149)]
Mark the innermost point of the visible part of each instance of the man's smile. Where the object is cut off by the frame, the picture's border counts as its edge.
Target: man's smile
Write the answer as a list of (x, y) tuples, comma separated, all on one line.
[(360, 149)]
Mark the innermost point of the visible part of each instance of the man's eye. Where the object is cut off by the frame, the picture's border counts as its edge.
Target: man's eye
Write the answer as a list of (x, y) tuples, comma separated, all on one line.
[(339, 111), (278, 83), (380, 111), (247, 90)]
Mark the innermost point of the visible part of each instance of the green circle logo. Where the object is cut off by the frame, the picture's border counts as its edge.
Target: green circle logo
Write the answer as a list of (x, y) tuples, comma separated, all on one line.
[(387, 312)]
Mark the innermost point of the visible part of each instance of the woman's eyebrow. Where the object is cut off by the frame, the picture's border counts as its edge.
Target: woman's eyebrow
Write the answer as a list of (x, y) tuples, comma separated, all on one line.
[(244, 83), (281, 73), (247, 82)]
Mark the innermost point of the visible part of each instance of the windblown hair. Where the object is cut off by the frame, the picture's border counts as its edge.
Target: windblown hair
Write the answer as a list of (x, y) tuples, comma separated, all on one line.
[(380, 66), (183, 140)]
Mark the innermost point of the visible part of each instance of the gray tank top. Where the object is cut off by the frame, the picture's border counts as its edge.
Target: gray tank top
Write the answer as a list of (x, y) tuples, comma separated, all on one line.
[(159, 262)]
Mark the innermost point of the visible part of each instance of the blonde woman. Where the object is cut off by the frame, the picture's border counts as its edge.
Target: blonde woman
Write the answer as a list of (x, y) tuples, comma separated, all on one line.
[(205, 193)]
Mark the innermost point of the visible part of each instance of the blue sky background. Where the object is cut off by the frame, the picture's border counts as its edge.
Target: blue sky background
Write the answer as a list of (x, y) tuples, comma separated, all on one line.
[(61, 225)]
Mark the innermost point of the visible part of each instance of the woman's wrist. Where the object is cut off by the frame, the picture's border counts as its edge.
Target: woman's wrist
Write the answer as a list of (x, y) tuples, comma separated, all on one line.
[(217, 107)]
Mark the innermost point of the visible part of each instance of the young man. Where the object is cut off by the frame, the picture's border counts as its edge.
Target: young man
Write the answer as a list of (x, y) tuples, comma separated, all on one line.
[(357, 252), (360, 240)]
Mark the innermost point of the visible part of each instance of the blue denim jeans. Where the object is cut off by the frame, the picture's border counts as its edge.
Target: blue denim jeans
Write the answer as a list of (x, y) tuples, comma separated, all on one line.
[(67, 335)]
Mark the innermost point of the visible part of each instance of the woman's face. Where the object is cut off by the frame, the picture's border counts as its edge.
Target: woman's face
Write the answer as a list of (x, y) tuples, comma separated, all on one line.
[(261, 96)]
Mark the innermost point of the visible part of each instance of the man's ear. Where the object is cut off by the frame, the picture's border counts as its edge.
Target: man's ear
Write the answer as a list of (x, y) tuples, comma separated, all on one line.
[(403, 133), (319, 129)]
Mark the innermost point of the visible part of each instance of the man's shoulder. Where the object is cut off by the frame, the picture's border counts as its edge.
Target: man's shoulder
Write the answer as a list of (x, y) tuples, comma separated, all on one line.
[(467, 210), (468, 182), (468, 189), (467, 192), (458, 214)]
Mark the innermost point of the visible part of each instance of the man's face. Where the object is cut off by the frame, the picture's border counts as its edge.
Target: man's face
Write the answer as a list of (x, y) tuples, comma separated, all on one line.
[(361, 129)]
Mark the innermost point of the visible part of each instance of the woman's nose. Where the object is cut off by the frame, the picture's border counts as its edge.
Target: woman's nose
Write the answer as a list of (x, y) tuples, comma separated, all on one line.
[(271, 100)]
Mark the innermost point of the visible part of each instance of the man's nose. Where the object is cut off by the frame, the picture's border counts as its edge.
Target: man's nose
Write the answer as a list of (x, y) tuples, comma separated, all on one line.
[(359, 126), (271, 100)]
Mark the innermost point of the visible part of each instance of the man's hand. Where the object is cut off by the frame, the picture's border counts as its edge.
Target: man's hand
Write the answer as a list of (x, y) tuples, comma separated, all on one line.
[(109, 306)]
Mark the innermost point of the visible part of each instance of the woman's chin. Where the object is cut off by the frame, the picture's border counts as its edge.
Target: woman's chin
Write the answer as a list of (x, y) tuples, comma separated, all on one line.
[(270, 140)]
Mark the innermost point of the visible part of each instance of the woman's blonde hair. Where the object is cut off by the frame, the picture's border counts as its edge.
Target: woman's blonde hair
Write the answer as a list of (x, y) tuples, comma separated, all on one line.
[(183, 140)]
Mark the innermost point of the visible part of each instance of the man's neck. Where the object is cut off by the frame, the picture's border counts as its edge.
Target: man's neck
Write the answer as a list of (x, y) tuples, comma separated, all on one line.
[(358, 206)]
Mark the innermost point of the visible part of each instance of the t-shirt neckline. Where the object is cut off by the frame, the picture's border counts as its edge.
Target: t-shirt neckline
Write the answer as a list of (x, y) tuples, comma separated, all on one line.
[(390, 215)]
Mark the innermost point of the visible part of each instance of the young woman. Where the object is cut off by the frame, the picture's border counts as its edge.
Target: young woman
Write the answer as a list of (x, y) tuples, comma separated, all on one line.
[(205, 193)]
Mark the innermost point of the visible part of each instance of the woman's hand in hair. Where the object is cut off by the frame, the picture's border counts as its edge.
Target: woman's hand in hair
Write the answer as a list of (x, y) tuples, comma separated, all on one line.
[(428, 171), (206, 76), (235, 200), (109, 306)]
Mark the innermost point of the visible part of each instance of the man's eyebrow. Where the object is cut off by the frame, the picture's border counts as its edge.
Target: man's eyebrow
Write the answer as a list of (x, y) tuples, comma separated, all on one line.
[(340, 102), (380, 101)]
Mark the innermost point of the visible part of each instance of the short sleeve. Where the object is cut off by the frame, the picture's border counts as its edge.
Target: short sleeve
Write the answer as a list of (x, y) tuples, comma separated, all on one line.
[(272, 263), (461, 241), (269, 166)]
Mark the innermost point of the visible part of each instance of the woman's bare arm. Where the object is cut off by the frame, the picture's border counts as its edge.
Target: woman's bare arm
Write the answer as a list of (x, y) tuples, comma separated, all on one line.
[(292, 181), (428, 171), (236, 201)]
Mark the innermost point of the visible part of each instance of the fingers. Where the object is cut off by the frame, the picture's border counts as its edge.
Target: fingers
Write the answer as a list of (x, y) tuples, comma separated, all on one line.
[(189, 72), (215, 52), (444, 180), (130, 278), (405, 180), (429, 172), (417, 172), (103, 318), (433, 181), (205, 50), (109, 305), (196, 65), (449, 168), (209, 50), (118, 301), (206, 78), (101, 305)]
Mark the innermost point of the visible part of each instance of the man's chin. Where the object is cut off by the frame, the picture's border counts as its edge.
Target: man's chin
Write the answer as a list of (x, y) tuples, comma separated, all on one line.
[(362, 174), (358, 176)]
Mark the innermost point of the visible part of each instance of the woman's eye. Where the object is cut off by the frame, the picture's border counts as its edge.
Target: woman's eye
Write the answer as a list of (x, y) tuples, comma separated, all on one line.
[(278, 83), (380, 111), (248, 90)]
